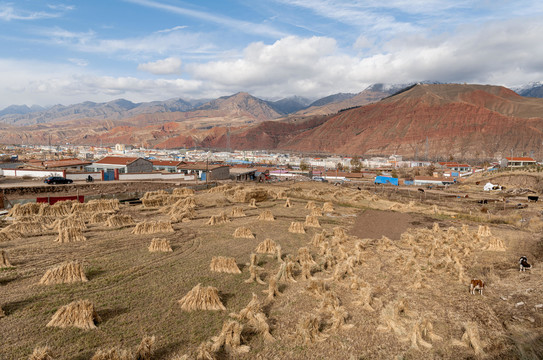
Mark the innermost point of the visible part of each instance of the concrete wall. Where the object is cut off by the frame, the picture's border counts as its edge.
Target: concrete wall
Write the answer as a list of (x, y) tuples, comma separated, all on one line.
[(222, 173), (156, 176), (31, 172), (83, 176), (139, 166)]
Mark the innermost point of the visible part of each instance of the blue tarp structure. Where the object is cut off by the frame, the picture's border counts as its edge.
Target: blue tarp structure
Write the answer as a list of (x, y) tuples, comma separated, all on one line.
[(409, 182), (386, 180), (455, 174)]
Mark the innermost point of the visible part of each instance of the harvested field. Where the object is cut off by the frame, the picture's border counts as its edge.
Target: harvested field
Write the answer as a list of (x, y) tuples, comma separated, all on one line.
[(368, 284)]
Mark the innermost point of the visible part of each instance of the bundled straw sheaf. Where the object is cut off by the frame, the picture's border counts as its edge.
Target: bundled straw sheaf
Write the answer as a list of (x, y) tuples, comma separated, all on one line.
[(327, 207), (310, 205), (160, 245), (60, 208), (267, 246), (144, 351), (27, 209), (42, 353), (100, 217), (95, 206), (244, 233), (68, 235), (202, 298), (256, 318), (316, 211), (153, 227), (67, 272), (26, 228), (69, 222), (229, 339), (183, 192), (4, 259), (7, 235), (224, 264), (312, 221), (119, 220), (288, 204), (296, 227), (218, 219), (266, 215), (237, 212), (308, 330), (80, 314)]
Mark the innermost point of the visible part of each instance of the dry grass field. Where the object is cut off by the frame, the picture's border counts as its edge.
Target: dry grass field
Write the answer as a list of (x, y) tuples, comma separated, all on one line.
[(374, 277)]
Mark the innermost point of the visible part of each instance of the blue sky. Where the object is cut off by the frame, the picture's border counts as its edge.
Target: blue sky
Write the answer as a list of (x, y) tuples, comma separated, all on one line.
[(142, 50)]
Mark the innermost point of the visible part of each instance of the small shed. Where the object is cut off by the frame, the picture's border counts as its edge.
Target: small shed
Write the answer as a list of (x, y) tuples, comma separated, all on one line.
[(206, 171), (242, 174)]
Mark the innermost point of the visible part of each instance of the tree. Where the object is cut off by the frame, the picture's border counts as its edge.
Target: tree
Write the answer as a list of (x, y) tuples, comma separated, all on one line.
[(304, 166), (394, 173), (339, 166), (430, 170), (356, 164)]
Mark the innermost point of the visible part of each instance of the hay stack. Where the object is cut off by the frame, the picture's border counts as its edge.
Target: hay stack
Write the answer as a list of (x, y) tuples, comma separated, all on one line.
[(288, 204), (266, 215), (160, 245), (244, 196), (65, 273), (304, 257), (95, 206), (286, 271), (68, 235), (318, 239), (27, 209), (100, 217), (80, 314), (119, 220), (224, 264), (312, 221), (392, 316), (252, 203), (316, 212), (201, 298), (327, 207), (296, 228), (183, 192), (69, 222), (244, 233), (26, 228), (471, 338), (494, 244), (60, 208), (484, 230), (143, 352), (365, 298), (230, 339), (308, 330), (253, 270), (153, 227), (42, 353), (150, 194), (273, 290), (237, 212), (218, 219), (256, 318), (310, 205), (267, 246), (317, 288), (4, 260)]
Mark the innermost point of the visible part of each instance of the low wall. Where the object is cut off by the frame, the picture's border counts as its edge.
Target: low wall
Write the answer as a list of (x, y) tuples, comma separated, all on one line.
[(156, 176), (83, 176), (31, 173)]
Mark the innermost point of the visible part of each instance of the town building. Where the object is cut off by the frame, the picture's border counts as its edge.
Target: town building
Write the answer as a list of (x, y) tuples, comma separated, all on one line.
[(205, 171), (124, 165), (166, 165), (519, 161), (242, 174)]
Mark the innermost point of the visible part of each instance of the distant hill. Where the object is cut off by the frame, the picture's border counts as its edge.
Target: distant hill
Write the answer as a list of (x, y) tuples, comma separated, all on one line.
[(534, 89), (290, 105)]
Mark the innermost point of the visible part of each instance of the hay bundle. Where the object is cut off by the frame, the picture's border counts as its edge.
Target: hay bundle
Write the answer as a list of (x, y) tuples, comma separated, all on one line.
[(392, 316), (288, 204), (150, 194), (308, 330), (286, 271), (230, 339), (100, 217), (436, 228), (218, 219), (252, 203), (494, 244), (224, 264), (95, 206), (80, 314), (2, 314), (119, 220), (190, 202), (243, 232), (318, 239), (256, 318), (60, 208), (327, 207), (253, 270), (4, 259), (244, 196), (471, 338), (153, 227), (160, 245), (155, 201), (237, 212), (296, 228), (7, 235), (267, 246), (273, 290), (317, 288), (68, 235), (266, 215), (185, 213), (143, 352), (316, 212), (306, 272), (339, 319), (27, 209), (310, 205), (69, 222), (279, 254), (312, 221), (65, 273), (26, 228), (304, 257), (201, 298), (42, 353), (183, 192), (484, 230)]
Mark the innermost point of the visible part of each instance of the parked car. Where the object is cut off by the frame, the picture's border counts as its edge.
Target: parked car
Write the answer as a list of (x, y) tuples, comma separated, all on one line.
[(318, 178), (57, 180)]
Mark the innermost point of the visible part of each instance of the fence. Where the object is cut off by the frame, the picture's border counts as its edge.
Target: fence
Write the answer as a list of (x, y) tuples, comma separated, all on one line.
[(31, 173)]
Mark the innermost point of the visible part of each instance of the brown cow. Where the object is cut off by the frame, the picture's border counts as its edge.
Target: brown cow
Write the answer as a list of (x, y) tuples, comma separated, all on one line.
[(476, 285)]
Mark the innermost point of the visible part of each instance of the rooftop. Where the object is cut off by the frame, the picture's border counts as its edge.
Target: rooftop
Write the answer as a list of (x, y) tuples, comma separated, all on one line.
[(116, 160)]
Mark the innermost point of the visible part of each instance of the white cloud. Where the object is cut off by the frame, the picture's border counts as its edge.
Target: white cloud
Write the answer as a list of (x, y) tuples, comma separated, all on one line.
[(175, 28), (79, 62), (170, 65), (8, 13)]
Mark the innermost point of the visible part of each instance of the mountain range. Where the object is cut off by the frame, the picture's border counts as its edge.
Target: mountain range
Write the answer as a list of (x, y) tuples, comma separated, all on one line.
[(424, 120)]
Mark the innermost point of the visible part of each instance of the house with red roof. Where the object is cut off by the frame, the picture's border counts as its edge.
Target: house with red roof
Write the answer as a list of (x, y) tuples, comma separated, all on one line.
[(519, 161)]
